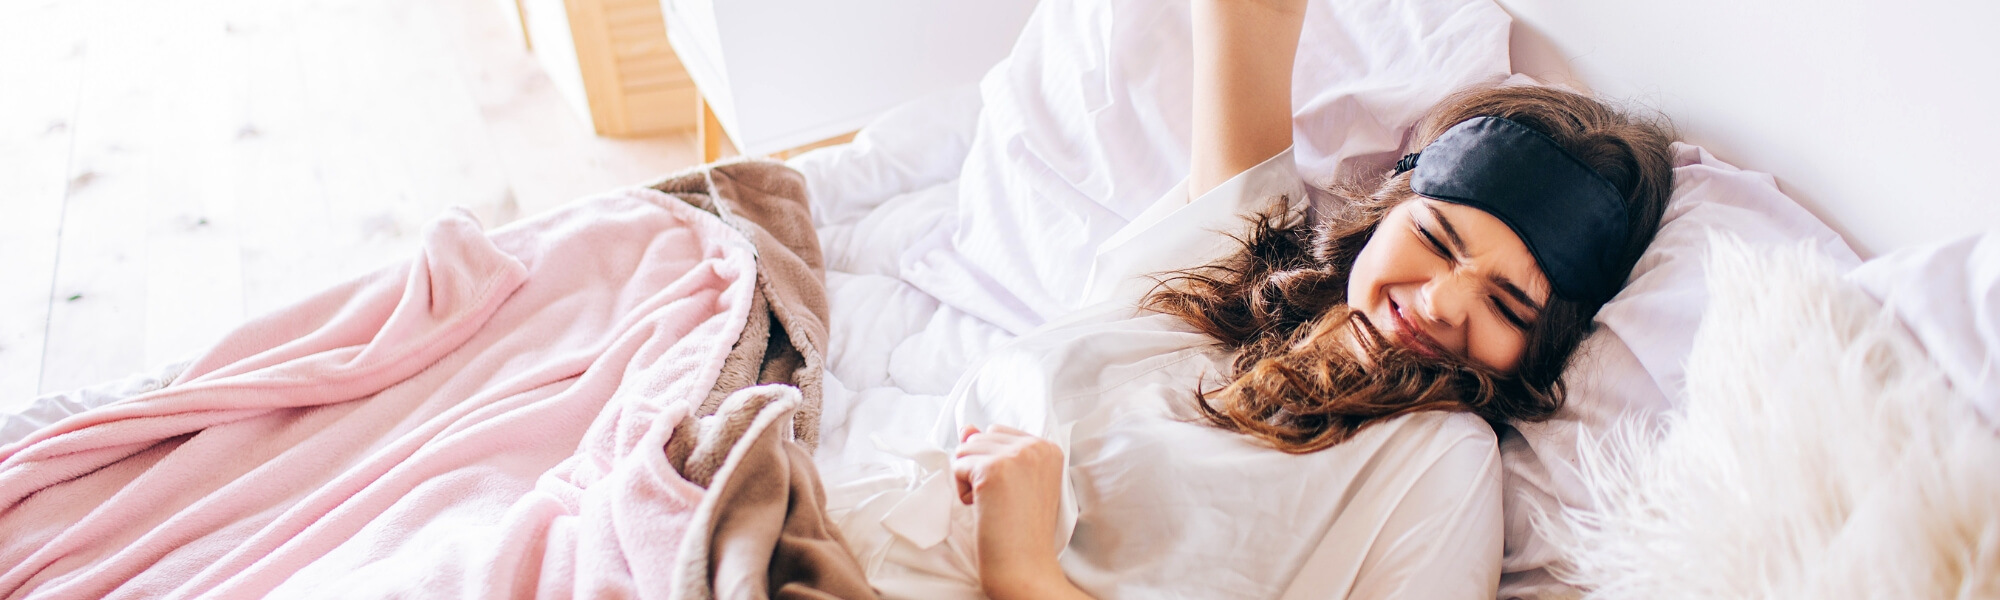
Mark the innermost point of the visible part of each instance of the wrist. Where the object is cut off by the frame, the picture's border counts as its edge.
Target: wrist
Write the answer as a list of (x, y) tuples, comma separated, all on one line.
[(1024, 578)]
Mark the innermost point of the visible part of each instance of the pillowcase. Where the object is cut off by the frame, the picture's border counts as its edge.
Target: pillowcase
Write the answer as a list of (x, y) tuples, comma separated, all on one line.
[(1087, 122), (1948, 295), (1632, 364)]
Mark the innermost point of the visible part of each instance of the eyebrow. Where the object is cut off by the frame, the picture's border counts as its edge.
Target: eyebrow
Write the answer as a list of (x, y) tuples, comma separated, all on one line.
[(1458, 243), (1518, 294)]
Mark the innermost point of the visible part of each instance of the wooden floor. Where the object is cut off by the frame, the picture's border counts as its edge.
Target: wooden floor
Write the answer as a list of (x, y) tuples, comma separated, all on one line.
[(169, 168)]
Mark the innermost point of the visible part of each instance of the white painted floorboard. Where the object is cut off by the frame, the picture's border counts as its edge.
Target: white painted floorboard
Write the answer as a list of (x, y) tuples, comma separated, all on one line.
[(168, 169)]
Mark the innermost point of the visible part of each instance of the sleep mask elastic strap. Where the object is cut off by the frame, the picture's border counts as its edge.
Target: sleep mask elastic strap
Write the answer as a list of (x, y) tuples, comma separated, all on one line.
[(1573, 220)]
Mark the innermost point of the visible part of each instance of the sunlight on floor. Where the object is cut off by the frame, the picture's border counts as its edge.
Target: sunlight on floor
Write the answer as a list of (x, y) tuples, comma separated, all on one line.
[(168, 170)]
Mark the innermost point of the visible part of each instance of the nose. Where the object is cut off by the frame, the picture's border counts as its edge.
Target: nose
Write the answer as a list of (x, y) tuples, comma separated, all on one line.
[(1448, 298)]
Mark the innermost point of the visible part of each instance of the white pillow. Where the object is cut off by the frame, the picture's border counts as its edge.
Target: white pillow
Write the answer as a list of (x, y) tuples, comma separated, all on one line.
[(1071, 144), (1948, 295), (1633, 363)]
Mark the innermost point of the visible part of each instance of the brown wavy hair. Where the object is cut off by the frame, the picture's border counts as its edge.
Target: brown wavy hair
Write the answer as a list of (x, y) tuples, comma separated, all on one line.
[(1281, 302)]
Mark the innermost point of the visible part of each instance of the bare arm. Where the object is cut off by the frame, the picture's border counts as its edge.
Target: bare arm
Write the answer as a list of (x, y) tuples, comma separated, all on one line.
[(1243, 52)]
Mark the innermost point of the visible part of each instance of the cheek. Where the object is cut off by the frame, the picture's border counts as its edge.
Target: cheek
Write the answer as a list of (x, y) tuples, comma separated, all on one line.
[(1366, 276), (1388, 257), (1499, 347)]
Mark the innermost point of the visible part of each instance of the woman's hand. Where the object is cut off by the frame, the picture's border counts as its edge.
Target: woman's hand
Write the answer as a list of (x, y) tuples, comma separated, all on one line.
[(1013, 481)]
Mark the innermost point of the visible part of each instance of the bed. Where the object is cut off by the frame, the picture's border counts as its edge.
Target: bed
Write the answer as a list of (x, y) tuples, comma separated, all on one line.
[(934, 262)]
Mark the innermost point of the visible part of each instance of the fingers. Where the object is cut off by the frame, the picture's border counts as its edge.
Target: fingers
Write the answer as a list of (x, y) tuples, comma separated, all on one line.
[(980, 444), (1006, 444), (979, 452), (1001, 454), (998, 428), (961, 470), (995, 439)]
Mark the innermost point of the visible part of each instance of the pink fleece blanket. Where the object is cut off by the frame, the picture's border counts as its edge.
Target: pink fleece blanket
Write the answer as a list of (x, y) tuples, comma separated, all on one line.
[(486, 421)]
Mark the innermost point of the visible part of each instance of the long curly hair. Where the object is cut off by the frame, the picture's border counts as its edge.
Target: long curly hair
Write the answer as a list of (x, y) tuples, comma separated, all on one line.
[(1299, 384)]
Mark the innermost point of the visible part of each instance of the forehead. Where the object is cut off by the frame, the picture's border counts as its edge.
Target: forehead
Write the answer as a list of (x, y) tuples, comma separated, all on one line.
[(1491, 247)]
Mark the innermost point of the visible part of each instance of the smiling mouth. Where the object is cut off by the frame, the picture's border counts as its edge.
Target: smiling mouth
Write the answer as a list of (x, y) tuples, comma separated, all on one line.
[(1412, 338)]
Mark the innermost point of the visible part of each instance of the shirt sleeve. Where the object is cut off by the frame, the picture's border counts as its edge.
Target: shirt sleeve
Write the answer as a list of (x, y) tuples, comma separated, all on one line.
[(1178, 233)]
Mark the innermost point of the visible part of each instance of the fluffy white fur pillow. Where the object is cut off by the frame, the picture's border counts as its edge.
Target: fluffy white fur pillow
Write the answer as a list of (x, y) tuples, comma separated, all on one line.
[(1819, 454)]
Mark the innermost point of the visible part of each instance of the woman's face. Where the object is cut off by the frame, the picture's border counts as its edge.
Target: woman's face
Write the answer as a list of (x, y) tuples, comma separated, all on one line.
[(1442, 278)]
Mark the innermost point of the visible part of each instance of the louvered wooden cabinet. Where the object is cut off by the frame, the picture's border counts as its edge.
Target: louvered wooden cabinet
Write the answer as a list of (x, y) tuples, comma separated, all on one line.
[(611, 60)]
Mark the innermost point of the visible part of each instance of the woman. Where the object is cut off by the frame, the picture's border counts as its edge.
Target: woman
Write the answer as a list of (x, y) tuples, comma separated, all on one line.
[(1462, 281)]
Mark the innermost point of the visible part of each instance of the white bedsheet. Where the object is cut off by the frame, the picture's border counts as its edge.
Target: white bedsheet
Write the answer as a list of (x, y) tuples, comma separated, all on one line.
[(1948, 295), (47, 409)]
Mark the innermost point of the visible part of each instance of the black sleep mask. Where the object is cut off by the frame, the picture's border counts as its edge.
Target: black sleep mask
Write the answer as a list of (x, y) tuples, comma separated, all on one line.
[(1573, 220)]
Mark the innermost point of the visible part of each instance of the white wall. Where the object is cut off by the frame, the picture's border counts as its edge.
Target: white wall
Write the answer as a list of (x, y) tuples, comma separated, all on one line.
[(1883, 118)]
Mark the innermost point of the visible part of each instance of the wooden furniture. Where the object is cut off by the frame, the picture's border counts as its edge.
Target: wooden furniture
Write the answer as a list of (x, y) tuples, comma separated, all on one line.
[(611, 60), (714, 142), (779, 75)]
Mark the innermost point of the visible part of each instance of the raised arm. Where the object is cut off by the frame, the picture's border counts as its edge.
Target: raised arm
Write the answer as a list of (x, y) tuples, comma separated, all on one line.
[(1243, 52)]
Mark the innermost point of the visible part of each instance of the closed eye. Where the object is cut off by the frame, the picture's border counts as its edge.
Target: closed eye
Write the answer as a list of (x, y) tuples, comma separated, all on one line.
[(1507, 313), (1432, 241)]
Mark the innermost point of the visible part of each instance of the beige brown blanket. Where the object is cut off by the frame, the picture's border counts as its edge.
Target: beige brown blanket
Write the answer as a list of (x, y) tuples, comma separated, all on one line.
[(762, 526), (785, 338)]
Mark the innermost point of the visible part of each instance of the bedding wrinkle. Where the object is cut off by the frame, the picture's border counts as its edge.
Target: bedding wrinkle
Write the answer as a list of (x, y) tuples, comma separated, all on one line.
[(930, 362), (872, 245), (916, 146), (489, 419), (1948, 295)]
